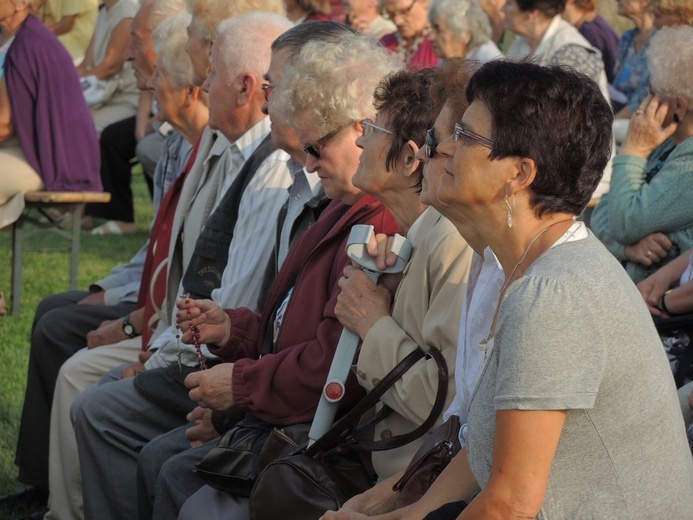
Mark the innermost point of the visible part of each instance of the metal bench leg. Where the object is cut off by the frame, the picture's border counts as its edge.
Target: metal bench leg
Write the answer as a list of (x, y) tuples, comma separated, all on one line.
[(76, 235), (17, 252)]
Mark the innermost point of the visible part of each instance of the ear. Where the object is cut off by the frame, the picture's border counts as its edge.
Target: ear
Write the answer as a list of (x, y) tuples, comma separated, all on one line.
[(680, 106), (249, 87), (409, 161), (525, 174), (192, 95)]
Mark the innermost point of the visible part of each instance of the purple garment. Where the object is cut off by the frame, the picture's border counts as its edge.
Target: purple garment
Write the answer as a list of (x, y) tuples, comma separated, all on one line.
[(605, 38), (50, 117)]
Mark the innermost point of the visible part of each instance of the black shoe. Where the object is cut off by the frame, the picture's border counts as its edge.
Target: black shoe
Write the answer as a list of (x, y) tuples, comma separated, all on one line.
[(28, 498)]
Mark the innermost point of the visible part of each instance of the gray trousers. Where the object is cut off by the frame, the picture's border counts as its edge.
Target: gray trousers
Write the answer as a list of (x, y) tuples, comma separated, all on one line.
[(210, 504), (166, 476), (59, 330), (113, 422)]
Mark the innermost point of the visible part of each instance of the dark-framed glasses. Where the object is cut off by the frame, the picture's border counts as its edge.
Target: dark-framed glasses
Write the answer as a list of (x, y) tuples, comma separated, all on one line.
[(368, 126), (267, 89), (431, 145), (461, 132), (312, 149)]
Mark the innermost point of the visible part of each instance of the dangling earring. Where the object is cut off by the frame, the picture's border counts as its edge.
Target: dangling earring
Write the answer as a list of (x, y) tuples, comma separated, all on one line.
[(510, 212)]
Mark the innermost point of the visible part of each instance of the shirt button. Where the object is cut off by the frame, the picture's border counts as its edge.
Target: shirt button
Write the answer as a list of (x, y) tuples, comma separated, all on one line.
[(386, 434), (375, 381)]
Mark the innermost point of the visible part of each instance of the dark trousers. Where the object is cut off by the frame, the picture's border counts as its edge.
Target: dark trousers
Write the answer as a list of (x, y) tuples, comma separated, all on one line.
[(117, 144), (59, 330)]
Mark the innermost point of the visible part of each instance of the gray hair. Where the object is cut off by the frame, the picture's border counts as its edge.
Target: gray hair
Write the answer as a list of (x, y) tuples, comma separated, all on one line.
[(670, 71), (170, 38), (162, 9), (210, 13), (329, 86), (464, 18), (295, 38), (244, 41)]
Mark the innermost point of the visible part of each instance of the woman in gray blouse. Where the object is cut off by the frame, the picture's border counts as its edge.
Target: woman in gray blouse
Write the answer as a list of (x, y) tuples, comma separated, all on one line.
[(575, 413)]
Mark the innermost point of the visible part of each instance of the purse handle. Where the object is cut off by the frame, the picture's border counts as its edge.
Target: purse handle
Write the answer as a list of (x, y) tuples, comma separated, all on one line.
[(345, 429)]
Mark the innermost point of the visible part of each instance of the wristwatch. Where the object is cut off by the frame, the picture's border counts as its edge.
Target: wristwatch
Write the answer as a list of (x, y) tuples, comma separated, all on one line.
[(128, 329)]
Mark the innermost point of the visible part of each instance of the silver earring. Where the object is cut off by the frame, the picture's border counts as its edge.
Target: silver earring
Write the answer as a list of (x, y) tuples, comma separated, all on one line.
[(510, 212)]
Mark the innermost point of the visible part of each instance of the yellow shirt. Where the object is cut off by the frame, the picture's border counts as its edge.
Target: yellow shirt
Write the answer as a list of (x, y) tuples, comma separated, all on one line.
[(77, 40)]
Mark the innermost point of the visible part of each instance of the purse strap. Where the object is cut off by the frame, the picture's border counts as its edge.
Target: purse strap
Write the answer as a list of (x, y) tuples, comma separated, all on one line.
[(344, 432)]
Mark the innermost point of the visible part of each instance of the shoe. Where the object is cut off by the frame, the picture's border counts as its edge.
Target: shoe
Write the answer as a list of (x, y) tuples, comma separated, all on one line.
[(28, 498), (112, 227)]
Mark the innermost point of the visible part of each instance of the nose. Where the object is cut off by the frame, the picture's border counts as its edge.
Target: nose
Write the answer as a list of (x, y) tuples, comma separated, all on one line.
[(151, 82), (205, 85), (421, 155), (263, 108), (130, 51), (312, 163), (360, 141)]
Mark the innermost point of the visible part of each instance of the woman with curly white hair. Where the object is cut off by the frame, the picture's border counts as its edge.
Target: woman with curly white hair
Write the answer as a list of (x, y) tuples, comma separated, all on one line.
[(646, 219), (460, 28)]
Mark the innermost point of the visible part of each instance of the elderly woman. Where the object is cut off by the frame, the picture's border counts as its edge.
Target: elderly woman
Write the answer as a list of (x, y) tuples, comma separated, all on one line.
[(47, 138), (410, 43), (427, 302), (325, 92), (461, 28), (646, 220), (544, 34), (632, 75), (574, 379), (104, 64)]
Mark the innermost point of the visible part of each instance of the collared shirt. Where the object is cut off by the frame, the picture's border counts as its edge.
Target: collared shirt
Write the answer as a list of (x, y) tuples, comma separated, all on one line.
[(254, 233)]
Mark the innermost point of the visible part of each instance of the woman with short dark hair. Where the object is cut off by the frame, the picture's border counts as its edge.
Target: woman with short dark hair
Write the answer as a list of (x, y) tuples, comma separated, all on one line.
[(575, 414)]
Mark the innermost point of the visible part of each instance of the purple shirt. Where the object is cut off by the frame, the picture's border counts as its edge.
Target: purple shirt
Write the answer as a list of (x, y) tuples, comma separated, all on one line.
[(600, 34), (50, 117)]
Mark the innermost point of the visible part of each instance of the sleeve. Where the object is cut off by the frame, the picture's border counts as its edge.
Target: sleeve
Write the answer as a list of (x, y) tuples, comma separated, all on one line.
[(388, 343), (637, 209), (123, 284), (599, 224), (285, 386), (70, 7), (254, 237), (550, 352), (243, 342)]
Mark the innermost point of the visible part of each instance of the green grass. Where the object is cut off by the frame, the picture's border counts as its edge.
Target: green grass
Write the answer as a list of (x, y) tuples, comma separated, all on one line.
[(46, 273)]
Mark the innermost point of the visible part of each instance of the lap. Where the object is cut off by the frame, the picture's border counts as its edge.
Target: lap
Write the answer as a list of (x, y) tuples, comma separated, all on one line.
[(211, 504)]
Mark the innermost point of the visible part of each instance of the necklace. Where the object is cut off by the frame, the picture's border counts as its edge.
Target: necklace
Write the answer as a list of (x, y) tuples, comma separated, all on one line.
[(484, 343), (195, 335)]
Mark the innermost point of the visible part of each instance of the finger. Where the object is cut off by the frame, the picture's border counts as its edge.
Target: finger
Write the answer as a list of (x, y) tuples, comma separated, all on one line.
[(193, 380), (660, 110), (373, 244), (383, 248)]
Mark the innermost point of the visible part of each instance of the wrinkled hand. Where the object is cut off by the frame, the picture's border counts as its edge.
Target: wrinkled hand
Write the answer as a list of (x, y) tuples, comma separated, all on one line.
[(212, 388), (108, 333), (649, 250), (360, 24), (645, 132), (379, 248), (361, 302), (213, 324), (136, 368), (202, 430), (96, 298)]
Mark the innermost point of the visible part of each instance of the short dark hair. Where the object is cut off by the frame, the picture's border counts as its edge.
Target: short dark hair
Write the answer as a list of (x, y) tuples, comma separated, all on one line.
[(295, 38), (555, 116), (406, 98), (549, 8)]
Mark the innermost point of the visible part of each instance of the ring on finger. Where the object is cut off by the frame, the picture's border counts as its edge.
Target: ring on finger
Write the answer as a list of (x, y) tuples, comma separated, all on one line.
[(638, 112)]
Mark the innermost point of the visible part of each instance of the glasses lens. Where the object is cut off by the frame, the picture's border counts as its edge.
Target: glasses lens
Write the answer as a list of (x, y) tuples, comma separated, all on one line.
[(366, 127), (312, 150), (267, 90), (431, 144)]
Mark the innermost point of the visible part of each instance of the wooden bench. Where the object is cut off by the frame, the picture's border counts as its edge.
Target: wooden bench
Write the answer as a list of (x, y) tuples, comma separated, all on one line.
[(69, 202)]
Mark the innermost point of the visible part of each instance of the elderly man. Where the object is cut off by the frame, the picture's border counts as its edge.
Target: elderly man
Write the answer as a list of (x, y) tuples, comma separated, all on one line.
[(410, 42), (62, 321), (258, 188)]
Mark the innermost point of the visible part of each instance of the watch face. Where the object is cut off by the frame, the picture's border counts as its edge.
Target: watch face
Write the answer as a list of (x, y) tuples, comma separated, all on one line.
[(128, 329)]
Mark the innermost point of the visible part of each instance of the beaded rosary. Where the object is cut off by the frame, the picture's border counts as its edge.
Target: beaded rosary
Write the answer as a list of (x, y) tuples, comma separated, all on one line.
[(193, 330)]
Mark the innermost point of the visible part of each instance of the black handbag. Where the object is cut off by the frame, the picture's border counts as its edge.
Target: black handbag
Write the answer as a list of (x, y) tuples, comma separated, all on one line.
[(309, 481)]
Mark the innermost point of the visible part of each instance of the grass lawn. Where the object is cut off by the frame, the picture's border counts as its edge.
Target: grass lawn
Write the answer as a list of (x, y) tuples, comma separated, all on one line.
[(47, 273)]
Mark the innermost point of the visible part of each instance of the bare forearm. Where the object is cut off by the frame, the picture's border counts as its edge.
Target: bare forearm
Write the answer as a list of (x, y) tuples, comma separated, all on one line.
[(64, 26)]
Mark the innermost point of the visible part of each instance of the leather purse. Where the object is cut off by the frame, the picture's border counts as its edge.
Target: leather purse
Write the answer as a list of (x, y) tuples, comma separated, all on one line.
[(428, 462), (309, 481)]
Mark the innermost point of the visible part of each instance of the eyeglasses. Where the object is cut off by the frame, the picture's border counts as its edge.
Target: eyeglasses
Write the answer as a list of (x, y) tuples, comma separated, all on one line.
[(267, 89), (368, 127), (312, 149), (402, 12), (461, 132), (430, 145)]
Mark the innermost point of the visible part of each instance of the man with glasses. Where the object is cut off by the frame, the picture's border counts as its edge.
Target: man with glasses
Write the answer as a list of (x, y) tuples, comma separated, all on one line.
[(410, 43)]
